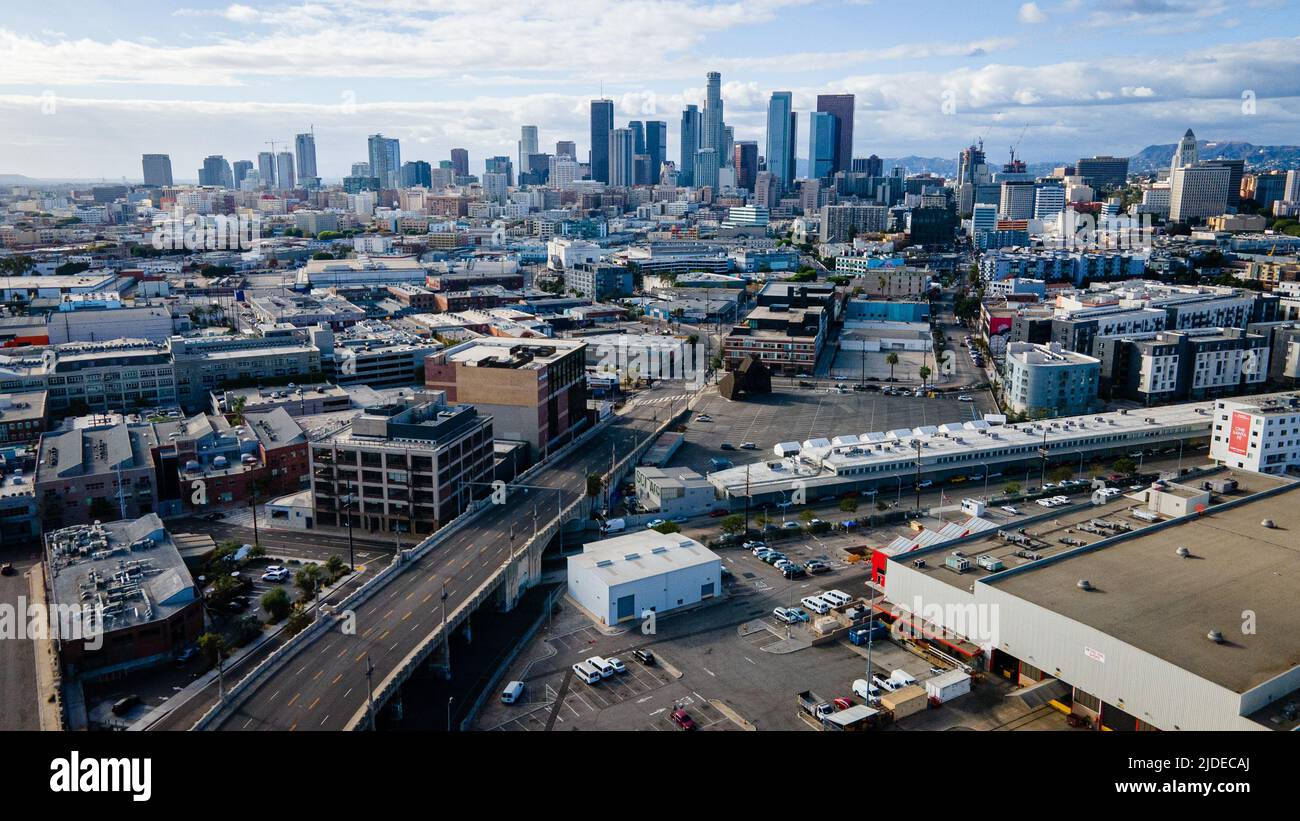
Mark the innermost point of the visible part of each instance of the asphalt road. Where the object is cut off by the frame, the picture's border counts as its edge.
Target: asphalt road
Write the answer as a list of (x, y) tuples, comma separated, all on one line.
[(19, 708), (324, 684)]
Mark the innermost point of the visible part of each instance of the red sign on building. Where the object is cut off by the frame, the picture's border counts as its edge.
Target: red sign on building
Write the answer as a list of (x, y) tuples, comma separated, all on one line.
[(1239, 434)]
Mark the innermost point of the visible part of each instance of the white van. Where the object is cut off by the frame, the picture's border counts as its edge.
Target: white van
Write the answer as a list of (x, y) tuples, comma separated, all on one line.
[(837, 598), (816, 604), (603, 667), (586, 672), (514, 690), (865, 690), (614, 526)]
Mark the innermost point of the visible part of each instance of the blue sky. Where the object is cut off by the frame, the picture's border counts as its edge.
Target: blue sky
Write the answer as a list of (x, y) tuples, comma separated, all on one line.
[(86, 87)]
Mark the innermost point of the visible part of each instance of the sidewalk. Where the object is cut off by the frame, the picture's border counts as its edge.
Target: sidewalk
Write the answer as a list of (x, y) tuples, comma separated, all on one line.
[(48, 673)]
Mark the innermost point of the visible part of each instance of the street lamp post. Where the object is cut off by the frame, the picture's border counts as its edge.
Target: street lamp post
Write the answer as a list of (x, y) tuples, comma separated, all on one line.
[(450, 699)]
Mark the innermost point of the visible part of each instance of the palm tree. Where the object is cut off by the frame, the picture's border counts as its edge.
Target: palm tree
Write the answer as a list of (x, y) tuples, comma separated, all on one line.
[(892, 359), (924, 370)]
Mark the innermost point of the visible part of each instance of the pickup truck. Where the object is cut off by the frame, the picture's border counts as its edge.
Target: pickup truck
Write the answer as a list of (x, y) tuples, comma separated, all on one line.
[(814, 705)]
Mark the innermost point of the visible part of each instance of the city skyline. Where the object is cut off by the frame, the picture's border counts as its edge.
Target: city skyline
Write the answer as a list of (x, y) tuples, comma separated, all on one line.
[(86, 102)]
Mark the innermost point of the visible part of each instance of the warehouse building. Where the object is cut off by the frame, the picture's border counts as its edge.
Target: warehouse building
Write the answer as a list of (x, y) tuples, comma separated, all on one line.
[(1146, 623), (886, 461), (623, 578)]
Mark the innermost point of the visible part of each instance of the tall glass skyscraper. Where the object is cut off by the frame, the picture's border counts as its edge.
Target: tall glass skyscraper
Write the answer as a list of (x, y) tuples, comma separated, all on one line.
[(711, 131), (656, 145), (822, 139), (527, 145), (840, 106), (781, 134), (602, 122), (305, 153), (691, 124), (622, 143), (157, 169), (385, 160)]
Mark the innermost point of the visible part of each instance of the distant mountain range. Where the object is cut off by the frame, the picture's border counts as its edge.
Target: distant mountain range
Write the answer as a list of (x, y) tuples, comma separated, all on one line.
[(1156, 157)]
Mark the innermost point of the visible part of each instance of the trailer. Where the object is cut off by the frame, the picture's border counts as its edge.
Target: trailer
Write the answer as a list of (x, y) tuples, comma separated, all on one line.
[(947, 686)]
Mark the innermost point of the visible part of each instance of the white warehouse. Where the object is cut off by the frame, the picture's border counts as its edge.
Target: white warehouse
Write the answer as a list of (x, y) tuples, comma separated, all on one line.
[(621, 578)]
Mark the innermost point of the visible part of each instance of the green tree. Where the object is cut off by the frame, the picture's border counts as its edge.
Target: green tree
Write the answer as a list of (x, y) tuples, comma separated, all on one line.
[(308, 580), (1011, 488), (849, 504), (924, 371), (892, 359), (1125, 466), (735, 523), (335, 566), (806, 516), (1061, 474), (211, 645), (276, 603), (667, 527), (298, 620)]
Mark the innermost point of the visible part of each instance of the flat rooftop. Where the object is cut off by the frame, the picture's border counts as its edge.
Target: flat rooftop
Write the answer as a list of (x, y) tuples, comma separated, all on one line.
[(1147, 596), (640, 555)]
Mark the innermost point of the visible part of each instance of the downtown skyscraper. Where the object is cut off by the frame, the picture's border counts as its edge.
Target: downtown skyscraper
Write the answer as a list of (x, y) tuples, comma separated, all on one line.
[(782, 133), (711, 134), (305, 153), (527, 145), (385, 160), (823, 137), (157, 170), (656, 146), (691, 124), (840, 106), (622, 148), (602, 122)]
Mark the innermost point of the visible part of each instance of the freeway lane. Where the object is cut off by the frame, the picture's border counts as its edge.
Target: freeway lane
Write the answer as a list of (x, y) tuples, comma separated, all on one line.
[(324, 684)]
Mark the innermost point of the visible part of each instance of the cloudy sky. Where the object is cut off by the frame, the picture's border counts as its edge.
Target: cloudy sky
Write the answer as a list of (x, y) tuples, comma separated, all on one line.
[(88, 86)]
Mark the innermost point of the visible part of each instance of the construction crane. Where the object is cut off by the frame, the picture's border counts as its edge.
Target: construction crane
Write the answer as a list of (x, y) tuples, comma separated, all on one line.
[(1018, 141)]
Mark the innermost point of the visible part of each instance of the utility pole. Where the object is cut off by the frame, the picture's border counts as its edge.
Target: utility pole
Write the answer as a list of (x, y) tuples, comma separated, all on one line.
[(918, 476), (347, 513), (252, 503), (370, 692)]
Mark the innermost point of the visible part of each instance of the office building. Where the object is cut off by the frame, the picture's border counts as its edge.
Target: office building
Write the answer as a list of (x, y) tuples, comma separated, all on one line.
[(1103, 173), (402, 468), (706, 168), (535, 390), (745, 161), (216, 172), (602, 123), (782, 133), (266, 168), (839, 106), (417, 174), (460, 162), (157, 170), (1198, 191), (823, 141), (305, 154), (204, 364), (711, 120), (1257, 433), (1186, 154), (842, 223), (690, 133), (385, 160), (285, 179), (527, 145), (620, 156), (242, 170), (1017, 200)]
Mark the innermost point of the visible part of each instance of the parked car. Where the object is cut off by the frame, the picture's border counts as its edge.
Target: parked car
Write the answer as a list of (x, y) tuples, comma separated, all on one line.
[(965, 398), (681, 719), (782, 614), (817, 566), (123, 705), (7, 569), (728, 446), (842, 703), (924, 483), (275, 573), (794, 571), (617, 664), (748, 446), (717, 514), (1014, 511), (645, 657)]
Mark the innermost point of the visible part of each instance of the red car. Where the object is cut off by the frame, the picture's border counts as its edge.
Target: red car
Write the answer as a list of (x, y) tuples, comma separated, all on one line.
[(681, 719), (842, 704), (717, 514)]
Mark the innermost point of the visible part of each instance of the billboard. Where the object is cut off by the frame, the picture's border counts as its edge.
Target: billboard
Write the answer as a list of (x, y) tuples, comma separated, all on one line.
[(1239, 433)]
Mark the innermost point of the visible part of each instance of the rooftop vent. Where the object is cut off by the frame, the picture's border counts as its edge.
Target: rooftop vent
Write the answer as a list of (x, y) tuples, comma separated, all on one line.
[(1215, 636), (1083, 584), (1183, 552), (1268, 523)]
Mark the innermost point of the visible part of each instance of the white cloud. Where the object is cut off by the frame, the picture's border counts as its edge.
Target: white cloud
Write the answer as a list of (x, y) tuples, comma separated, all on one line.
[(1031, 13)]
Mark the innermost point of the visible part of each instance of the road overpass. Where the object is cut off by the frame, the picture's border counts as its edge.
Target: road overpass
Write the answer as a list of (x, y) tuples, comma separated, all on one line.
[(327, 678)]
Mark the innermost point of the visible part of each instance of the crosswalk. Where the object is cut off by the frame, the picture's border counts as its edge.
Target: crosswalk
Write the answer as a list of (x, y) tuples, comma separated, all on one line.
[(658, 400)]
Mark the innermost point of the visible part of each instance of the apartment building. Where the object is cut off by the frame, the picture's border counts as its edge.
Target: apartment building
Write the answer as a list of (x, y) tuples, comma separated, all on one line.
[(204, 363), (1049, 379), (84, 377)]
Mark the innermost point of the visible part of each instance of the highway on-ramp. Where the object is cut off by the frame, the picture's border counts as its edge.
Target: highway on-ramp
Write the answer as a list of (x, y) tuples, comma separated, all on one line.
[(323, 684)]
